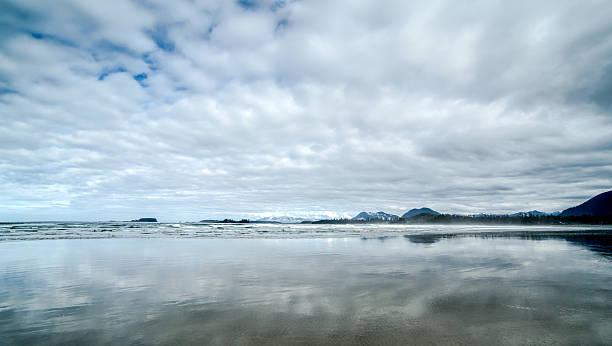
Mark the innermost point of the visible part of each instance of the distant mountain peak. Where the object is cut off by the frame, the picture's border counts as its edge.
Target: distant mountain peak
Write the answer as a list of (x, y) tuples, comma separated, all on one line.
[(415, 211), (529, 213), (600, 205), (284, 219), (381, 215)]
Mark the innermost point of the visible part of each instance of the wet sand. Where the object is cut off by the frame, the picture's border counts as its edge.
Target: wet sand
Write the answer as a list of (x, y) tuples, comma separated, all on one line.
[(414, 289)]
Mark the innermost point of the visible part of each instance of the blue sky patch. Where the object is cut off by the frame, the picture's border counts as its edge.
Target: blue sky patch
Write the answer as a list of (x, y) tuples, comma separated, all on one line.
[(4, 91), (146, 57), (140, 78), (277, 5), (281, 24), (247, 4), (108, 72), (104, 48), (53, 38), (209, 31), (159, 35)]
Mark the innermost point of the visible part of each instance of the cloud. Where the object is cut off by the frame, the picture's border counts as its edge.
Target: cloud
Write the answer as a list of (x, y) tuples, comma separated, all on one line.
[(213, 109)]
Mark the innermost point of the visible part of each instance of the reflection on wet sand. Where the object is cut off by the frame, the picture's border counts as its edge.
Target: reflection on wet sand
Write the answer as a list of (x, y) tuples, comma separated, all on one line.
[(599, 241), (459, 289)]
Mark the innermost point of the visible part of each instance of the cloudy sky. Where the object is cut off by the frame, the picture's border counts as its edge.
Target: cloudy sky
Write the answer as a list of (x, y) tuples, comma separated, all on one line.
[(187, 110)]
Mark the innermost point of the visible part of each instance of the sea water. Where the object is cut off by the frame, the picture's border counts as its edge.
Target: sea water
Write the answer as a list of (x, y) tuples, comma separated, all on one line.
[(304, 284)]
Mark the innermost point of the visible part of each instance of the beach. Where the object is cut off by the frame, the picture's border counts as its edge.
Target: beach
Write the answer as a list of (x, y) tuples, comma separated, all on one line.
[(403, 289)]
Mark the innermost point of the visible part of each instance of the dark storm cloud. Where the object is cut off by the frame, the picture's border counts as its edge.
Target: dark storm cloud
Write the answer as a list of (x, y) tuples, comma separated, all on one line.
[(213, 109)]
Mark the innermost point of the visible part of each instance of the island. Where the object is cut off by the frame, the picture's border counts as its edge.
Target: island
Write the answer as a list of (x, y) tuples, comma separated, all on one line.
[(145, 219)]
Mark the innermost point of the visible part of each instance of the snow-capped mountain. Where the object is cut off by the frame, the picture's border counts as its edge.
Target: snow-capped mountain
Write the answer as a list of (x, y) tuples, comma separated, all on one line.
[(285, 219), (530, 213), (366, 215)]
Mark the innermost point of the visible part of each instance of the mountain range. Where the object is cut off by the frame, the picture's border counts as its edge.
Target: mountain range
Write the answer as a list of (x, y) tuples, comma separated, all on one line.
[(599, 206), (284, 219), (520, 214), (381, 215), (368, 216)]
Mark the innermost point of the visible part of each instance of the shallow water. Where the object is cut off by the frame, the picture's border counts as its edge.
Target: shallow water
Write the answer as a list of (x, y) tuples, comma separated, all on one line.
[(427, 287), (97, 230)]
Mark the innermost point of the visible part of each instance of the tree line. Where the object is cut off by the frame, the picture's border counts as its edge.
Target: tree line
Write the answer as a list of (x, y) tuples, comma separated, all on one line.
[(486, 219)]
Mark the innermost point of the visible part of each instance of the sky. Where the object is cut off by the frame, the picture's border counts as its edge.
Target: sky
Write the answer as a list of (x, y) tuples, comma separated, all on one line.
[(189, 110)]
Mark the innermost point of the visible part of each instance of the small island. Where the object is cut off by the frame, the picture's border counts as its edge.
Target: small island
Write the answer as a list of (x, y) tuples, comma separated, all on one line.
[(145, 219)]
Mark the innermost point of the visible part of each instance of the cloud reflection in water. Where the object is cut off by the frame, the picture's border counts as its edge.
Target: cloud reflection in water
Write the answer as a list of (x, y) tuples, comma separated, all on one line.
[(324, 291)]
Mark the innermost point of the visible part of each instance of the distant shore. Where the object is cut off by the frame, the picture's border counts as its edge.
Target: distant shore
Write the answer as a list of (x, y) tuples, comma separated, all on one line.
[(445, 219), (482, 220)]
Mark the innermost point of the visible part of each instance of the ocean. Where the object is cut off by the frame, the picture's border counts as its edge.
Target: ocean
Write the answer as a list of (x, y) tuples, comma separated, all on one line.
[(227, 284)]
